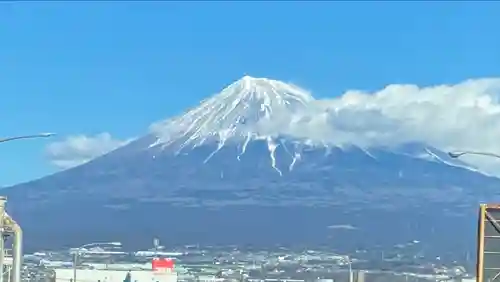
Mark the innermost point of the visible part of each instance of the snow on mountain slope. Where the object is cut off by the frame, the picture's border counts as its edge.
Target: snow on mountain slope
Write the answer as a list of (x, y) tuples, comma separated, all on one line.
[(253, 109), (248, 108)]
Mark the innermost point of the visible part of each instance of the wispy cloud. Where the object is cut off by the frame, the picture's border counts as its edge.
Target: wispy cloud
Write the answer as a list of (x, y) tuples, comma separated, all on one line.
[(79, 149)]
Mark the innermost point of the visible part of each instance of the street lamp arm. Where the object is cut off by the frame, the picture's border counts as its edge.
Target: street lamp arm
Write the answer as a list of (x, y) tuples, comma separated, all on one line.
[(459, 154), (78, 251), (41, 135)]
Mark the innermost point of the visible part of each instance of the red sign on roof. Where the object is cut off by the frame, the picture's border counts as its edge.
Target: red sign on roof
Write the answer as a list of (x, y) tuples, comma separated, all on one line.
[(162, 263)]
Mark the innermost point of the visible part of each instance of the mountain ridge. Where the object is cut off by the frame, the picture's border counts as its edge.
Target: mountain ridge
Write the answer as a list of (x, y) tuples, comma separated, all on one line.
[(253, 186)]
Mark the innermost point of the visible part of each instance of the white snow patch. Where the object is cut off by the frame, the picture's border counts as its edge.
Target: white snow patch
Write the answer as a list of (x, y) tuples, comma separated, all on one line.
[(272, 153), (297, 156)]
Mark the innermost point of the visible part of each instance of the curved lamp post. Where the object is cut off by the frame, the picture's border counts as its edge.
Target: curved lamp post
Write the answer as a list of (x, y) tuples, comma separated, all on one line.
[(18, 252), (78, 251), (32, 136), (456, 155)]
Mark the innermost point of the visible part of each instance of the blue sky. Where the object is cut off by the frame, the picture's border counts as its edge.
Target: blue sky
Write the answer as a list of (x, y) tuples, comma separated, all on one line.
[(91, 67)]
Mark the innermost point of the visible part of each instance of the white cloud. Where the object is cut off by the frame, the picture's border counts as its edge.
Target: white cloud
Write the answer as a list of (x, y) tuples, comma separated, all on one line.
[(79, 149), (464, 116)]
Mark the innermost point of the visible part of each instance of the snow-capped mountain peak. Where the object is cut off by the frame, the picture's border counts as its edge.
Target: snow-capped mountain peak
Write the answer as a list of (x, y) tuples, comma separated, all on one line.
[(268, 111), (248, 108)]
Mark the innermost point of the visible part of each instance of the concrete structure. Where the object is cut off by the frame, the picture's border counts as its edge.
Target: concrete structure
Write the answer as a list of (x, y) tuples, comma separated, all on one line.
[(8, 227), (7, 266), (361, 276), (102, 275)]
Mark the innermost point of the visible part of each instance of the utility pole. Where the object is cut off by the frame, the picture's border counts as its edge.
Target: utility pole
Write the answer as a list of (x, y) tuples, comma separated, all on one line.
[(75, 261)]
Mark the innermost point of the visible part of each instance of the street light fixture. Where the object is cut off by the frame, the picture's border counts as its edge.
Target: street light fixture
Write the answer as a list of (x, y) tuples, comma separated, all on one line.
[(31, 136), (76, 252), (456, 155)]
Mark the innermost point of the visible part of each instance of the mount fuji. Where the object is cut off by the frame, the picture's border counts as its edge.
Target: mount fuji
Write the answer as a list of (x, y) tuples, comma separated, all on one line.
[(260, 163)]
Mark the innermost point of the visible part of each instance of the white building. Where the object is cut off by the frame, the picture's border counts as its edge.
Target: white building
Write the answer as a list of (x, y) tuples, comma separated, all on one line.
[(102, 275)]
